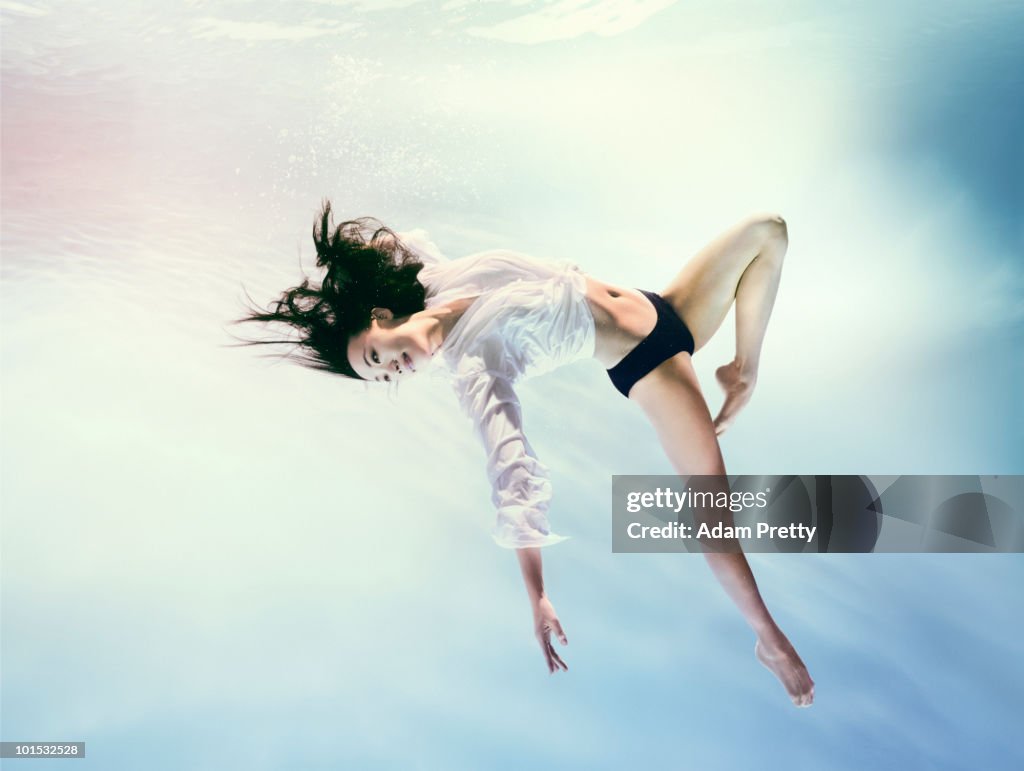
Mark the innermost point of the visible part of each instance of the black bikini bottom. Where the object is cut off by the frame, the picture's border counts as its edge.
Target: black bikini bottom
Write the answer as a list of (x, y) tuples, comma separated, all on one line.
[(669, 336)]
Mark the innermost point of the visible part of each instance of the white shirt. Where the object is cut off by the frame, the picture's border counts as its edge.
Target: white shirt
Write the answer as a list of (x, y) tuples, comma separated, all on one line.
[(529, 317)]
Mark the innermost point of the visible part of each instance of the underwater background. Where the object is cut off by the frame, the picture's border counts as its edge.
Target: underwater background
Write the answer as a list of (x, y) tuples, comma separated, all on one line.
[(217, 560)]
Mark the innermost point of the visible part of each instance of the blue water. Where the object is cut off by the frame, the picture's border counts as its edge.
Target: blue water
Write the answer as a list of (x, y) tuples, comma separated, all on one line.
[(212, 560)]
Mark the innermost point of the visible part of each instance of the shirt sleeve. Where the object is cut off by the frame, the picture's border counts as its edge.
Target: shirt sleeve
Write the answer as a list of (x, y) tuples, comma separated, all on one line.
[(418, 242), (521, 487)]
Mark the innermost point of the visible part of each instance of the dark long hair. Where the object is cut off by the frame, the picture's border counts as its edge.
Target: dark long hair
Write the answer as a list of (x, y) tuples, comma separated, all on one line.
[(367, 267)]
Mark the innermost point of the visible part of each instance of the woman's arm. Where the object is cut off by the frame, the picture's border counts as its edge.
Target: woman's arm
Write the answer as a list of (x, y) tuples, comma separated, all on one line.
[(521, 489), (520, 483), (545, 619)]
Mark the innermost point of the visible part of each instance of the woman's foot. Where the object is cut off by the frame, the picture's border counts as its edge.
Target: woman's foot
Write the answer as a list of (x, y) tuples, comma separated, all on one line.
[(782, 660), (738, 384)]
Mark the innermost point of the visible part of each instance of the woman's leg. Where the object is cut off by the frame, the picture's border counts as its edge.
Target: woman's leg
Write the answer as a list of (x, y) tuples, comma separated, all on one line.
[(743, 264), (670, 396)]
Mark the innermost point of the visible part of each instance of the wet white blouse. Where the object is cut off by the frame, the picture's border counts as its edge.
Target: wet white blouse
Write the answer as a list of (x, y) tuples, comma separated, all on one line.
[(529, 316)]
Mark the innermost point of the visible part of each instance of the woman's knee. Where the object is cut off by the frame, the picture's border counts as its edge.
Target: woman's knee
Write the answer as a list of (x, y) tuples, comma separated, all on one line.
[(768, 226)]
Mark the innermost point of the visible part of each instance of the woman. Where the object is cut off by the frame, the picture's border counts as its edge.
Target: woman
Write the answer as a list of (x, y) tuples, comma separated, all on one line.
[(390, 306)]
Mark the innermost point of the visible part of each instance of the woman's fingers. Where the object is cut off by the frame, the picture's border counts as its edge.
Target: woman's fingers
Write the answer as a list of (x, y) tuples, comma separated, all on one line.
[(557, 658), (546, 624), (558, 631), (545, 646), (554, 661)]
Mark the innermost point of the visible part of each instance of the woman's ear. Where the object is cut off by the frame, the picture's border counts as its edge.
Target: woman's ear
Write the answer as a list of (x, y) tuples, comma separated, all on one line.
[(382, 314)]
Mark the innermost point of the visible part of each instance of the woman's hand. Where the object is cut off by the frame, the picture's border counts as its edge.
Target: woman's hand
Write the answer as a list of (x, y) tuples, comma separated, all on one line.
[(545, 622)]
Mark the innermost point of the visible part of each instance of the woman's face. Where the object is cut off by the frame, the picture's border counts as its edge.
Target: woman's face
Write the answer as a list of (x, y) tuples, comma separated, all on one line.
[(392, 349)]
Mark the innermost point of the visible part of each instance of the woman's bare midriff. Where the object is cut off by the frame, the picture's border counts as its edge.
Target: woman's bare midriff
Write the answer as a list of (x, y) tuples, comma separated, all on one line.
[(622, 318)]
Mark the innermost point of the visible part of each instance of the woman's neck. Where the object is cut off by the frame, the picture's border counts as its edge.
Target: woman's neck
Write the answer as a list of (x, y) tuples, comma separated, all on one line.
[(444, 318)]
